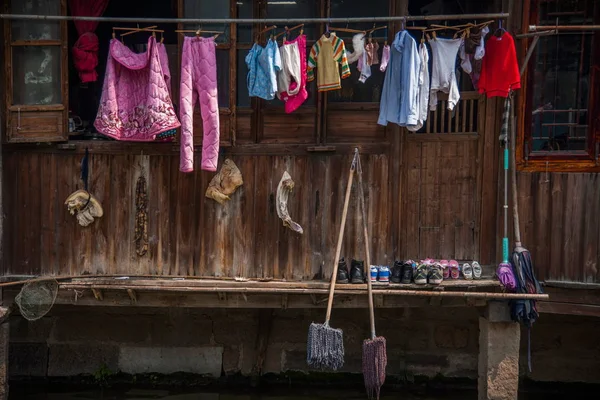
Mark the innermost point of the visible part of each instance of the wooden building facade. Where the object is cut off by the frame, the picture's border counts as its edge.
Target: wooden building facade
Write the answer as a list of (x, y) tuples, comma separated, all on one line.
[(435, 193)]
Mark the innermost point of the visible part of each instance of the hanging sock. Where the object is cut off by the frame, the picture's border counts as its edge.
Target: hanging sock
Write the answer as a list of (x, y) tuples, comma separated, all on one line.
[(199, 82), (385, 58)]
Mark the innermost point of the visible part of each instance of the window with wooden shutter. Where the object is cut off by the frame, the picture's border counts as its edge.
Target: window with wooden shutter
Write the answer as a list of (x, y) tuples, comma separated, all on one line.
[(559, 127), (36, 73)]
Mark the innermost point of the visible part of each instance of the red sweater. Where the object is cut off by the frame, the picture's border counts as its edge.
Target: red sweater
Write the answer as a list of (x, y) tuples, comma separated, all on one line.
[(499, 70)]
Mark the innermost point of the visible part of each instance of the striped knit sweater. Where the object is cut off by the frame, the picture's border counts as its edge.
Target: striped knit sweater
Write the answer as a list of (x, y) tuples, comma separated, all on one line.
[(327, 53)]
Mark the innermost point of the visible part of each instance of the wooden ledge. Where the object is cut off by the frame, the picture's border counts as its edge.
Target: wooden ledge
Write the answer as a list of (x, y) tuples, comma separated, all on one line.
[(231, 293)]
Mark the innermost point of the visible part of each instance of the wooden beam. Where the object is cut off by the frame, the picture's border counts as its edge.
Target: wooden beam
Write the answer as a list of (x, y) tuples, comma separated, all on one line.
[(551, 307), (120, 298)]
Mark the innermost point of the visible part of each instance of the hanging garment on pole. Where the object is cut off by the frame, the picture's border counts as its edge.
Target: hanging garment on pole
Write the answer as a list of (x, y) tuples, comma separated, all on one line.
[(326, 54), (199, 82), (385, 58), (296, 95), (443, 71), (371, 50), (423, 91), (263, 64), (364, 68), (135, 104), (399, 98), (358, 45), (500, 70), (471, 53)]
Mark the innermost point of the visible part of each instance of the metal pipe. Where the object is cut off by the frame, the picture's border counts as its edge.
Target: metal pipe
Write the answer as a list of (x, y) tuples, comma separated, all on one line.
[(250, 21), (535, 34), (534, 28)]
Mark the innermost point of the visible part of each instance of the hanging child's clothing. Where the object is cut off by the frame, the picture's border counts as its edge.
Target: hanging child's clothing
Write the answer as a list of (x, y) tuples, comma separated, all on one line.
[(293, 93), (263, 64), (471, 53), (443, 71), (423, 91), (199, 82), (371, 50), (399, 103), (135, 104), (326, 54), (500, 70), (385, 58)]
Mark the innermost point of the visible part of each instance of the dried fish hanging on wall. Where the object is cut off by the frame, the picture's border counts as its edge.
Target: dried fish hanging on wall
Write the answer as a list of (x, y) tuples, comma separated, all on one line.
[(82, 203), (225, 182), (141, 217), (286, 184)]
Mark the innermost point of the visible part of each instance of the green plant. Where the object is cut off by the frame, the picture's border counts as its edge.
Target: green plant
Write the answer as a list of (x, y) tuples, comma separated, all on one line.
[(102, 375)]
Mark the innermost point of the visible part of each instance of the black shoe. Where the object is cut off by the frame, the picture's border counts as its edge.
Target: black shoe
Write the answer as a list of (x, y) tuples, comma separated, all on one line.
[(342, 272), (357, 271), (397, 271), (407, 272)]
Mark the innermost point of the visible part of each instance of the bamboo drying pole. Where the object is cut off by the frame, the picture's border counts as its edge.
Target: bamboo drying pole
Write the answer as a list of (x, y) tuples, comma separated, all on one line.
[(250, 21), (357, 292)]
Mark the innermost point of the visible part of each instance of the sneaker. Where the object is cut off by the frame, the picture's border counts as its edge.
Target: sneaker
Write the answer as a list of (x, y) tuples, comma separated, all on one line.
[(436, 274), (421, 274), (384, 274), (342, 272), (357, 271), (374, 273), (407, 272), (477, 271), (446, 268), (397, 271)]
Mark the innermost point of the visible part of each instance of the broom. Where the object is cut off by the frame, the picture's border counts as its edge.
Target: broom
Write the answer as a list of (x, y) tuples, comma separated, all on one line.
[(374, 354), (505, 265), (325, 345), (523, 311)]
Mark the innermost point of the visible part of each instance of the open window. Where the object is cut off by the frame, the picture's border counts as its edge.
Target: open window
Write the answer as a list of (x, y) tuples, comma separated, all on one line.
[(36, 73), (559, 129)]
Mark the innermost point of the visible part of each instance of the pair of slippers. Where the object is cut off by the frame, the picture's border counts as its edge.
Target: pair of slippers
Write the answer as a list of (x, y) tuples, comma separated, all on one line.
[(451, 269), (471, 271)]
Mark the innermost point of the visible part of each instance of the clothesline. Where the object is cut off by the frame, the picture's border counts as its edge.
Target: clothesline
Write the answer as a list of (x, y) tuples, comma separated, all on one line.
[(249, 21)]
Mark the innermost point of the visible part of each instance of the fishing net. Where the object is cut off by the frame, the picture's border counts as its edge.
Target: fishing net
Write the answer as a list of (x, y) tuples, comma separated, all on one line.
[(37, 298)]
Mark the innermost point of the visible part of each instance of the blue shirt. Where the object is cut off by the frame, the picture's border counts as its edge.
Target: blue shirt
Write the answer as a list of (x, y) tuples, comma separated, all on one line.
[(263, 64), (399, 97)]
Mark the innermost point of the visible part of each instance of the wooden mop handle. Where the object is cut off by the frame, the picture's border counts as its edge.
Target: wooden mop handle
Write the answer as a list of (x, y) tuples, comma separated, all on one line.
[(338, 249), (361, 200), (513, 175)]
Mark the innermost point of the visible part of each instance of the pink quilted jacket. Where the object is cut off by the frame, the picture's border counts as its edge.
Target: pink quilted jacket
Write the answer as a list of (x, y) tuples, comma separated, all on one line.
[(135, 103)]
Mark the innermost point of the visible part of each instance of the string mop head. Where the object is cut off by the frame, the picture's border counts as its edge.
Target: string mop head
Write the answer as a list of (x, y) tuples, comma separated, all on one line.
[(325, 347), (374, 363)]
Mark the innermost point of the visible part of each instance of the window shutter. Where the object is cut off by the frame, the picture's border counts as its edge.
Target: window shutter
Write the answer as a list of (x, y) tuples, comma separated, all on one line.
[(36, 74)]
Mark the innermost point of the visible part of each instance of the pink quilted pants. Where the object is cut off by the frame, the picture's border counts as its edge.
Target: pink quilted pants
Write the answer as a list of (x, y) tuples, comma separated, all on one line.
[(199, 81)]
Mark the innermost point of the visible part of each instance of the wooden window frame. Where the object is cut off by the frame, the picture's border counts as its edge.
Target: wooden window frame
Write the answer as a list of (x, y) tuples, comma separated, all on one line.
[(583, 161), (53, 115)]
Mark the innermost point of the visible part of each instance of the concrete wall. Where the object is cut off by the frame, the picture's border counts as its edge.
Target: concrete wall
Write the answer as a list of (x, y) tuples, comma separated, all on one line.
[(421, 342)]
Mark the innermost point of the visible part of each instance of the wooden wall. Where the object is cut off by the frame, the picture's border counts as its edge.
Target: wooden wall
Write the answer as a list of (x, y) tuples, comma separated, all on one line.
[(428, 195), (189, 234)]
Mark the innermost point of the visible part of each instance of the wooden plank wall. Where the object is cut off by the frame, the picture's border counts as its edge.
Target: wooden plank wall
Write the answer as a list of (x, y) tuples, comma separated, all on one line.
[(188, 233), (560, 224)]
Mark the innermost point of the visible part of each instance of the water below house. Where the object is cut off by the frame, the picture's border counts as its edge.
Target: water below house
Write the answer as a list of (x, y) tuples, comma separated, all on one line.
[(23, 393)]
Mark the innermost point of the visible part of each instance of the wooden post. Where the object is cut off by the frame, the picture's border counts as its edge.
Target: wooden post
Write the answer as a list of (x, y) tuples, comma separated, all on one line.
[(4, 337), (499, 339)]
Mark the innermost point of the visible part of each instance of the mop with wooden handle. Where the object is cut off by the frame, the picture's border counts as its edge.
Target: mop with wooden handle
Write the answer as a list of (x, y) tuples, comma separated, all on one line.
[(374, 353), (325, 346)]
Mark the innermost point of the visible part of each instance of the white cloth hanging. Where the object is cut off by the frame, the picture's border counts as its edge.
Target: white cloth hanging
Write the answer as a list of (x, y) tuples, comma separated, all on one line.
[(443, 74)]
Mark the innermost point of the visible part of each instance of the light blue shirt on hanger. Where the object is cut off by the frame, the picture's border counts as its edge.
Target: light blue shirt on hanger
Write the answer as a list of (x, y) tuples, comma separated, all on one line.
[(263, 64), (399, 97)]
